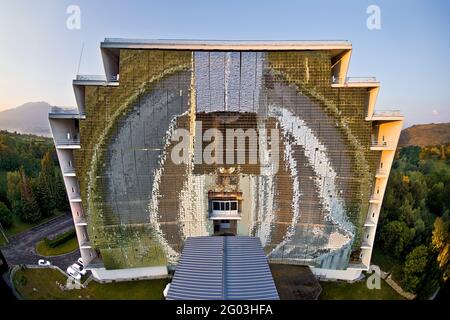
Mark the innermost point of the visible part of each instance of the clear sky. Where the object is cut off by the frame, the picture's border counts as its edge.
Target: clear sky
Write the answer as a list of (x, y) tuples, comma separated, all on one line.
[(39, 55)]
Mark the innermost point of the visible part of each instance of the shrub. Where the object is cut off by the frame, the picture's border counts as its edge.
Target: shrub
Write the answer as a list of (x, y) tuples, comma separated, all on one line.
[(60, 239)]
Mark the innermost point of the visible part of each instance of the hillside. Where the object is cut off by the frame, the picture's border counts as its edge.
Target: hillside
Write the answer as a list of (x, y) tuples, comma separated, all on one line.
[(425, 134), (29, 118)]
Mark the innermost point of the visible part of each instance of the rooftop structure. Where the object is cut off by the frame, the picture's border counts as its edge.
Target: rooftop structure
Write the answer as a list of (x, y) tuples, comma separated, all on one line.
[(222, 268)]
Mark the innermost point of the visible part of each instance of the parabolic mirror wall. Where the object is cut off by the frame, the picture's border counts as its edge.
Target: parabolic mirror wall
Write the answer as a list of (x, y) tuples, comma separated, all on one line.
[(306, 196)]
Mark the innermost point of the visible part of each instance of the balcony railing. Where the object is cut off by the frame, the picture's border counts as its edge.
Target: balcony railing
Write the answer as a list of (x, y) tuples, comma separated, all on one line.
[(67, 142), (336, 80), (381, 172), (59, 110), (96, 77), (375, 198), (75, 196), (69, 170), (80, 221), (382, 144), (85, 244), (387, 113), (225, 214)]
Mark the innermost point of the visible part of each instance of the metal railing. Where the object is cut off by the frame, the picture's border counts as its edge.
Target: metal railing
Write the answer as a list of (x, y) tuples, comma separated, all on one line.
[(63, 110), (95, 77), (375, 197), (385, 144), (336, 80), (69, 170), (67, 142), (381, 172), (387, 113)]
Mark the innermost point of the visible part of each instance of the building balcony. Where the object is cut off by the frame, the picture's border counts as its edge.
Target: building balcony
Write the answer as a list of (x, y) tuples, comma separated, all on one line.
[(355, 82), (381, 174), (68, 143), (365, 245), (370, 223), (357, 266), (95, 77), (385, 115), (382, 145), (80, 222), (85, 244), (225, 215), (375, 199), (75, 197), (69, 172), (65, 113)]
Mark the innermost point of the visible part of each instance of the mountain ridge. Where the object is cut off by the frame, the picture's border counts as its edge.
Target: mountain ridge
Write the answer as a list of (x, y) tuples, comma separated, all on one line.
[(28, 118)]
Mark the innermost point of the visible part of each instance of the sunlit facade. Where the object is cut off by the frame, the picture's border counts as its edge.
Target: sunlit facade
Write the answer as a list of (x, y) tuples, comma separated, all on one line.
[(316, 155)]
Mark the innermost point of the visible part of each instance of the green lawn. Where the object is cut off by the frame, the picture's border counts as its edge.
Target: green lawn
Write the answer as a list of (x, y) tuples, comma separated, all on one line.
[(388, 264), (44, 250), (385, 262), (357, 291), (44, 283)]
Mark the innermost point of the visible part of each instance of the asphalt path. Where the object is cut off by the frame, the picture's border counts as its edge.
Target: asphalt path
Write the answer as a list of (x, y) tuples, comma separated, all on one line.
[(21, 248)]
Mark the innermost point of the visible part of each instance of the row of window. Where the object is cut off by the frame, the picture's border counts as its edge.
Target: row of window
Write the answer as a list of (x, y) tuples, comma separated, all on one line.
[(224, 205)]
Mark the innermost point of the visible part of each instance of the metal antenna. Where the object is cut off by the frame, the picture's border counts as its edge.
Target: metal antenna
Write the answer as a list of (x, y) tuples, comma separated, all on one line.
[(79, 61)]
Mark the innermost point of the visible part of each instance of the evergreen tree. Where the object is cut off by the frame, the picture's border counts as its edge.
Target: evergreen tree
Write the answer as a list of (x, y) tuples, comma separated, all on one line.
[(61, 199), (415, 268), (45, 187), (5, 216), (30, 207), (13, 192)]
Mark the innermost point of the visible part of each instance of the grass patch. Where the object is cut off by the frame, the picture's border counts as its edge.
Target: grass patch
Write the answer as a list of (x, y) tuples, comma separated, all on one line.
[(385, 262), (357, 291), (40, 284), (44, 249)]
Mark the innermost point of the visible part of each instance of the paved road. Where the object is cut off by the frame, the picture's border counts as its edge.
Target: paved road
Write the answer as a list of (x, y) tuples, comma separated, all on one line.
[(21, 247)]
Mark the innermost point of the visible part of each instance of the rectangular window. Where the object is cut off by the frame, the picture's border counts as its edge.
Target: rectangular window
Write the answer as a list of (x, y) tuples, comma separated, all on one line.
[(216, 205), (233, 205)]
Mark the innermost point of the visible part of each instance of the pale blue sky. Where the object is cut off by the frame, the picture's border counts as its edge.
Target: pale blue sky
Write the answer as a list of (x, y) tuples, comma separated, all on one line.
[(409, 55)]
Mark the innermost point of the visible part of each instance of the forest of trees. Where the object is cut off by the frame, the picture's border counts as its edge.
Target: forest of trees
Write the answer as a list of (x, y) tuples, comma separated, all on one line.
[(414, 225), (31, 184), (413, 230)]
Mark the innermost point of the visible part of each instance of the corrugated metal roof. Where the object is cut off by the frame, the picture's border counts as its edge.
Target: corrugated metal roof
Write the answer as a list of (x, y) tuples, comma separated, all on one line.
[(222, 268)]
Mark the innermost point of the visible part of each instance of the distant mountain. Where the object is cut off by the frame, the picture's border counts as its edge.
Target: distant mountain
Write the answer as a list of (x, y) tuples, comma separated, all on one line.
[(425, 134), (30, 118)]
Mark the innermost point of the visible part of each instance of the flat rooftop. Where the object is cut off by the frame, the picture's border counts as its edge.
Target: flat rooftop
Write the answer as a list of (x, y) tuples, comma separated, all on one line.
[(222, 268), (245, 45)]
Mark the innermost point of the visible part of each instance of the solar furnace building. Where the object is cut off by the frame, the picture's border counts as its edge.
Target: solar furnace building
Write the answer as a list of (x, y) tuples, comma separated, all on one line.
[(267, 139)]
